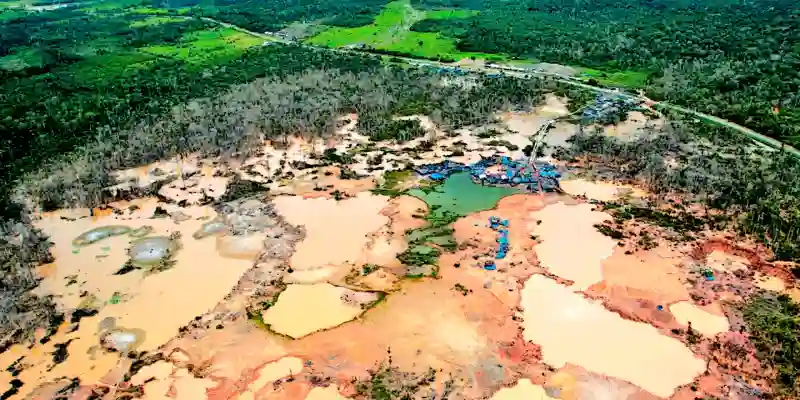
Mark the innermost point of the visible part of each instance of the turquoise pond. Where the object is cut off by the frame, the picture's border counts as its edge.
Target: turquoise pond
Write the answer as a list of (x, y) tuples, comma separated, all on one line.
[(457, 196), (460, 195)]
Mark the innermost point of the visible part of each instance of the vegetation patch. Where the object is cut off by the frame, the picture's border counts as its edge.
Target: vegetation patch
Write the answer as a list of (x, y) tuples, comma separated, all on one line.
[(142, 23), (239, 188), (743, 187), (394, 182), (204, 47), (387, 382), (681, 222), (452, 13), (391, 33), (625, 79), (773, 323)]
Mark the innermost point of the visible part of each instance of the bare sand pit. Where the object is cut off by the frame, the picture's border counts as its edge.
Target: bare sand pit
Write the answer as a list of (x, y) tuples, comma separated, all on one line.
[(325, 182), (132, 297), (385, 244), (287, 366), (181, 385), (702, 321), (427, 324), (575, 383), (335, 231), (635, 125), (523, 390), (146, 175), (602, 191), (725, 262), (654, 275), (570, 246), (768, 282), (573, 329), (139, 305), (528, 123), (478, 243), (305, 309)]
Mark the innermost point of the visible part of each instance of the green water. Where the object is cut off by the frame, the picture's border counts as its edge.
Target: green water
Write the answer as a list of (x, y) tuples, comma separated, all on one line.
[(456, 197), (460, 195)]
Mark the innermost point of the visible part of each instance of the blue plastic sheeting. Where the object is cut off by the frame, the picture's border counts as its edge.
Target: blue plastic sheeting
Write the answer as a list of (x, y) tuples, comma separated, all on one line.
[(500, 225), (511, 173), (490, 266), (515, 173), (442, 170)]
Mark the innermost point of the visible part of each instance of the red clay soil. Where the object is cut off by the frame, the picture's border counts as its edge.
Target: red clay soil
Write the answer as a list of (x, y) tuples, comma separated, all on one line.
[(573, 382), (465, 324), (475, 339), (757, 256)]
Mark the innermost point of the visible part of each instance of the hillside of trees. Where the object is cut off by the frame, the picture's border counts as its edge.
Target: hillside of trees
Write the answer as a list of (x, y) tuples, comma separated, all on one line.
[(738, 60)]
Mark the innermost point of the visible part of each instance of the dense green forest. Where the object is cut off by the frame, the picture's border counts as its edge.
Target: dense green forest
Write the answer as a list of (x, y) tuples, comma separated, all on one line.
[(260, 16), (738, 60)]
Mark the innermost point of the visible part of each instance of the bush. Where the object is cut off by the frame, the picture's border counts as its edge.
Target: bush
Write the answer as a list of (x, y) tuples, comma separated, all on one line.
[(22, 249), (773, 323)]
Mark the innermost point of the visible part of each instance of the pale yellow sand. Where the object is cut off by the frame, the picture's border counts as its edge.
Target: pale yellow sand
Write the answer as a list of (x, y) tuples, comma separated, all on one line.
[(702, 321), (305, 309), (603, 191), (336, 232), (572, 329), (157, 304), (570, 246), (271, 372), (523, 390), (724, 262), (772, 283)]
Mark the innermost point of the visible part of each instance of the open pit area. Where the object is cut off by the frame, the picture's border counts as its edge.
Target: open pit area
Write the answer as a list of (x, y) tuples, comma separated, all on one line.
[(302, 272)]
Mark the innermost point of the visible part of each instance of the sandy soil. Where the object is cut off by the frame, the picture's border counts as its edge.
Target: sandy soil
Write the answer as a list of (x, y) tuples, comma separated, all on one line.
[(523, 390), (570, 246), (324, 393), (602, 191), (725, 262), (567, 314), (165, 291), (287, 366), (575, 383), (572, 329), (653, 275), (636, 125), (151, 305), (335, 231), (305, 309), (702, 321)]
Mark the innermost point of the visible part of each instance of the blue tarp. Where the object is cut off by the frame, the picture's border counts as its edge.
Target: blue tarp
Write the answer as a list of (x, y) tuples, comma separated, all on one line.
[(512, 172), (502, 239)]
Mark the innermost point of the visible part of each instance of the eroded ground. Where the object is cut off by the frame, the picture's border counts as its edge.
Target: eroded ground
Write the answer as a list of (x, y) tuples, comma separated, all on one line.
[(283, 276)]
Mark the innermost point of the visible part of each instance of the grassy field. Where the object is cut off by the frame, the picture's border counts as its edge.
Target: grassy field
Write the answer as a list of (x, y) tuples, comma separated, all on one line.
[(626, 79), (210, 46), (391, 32)]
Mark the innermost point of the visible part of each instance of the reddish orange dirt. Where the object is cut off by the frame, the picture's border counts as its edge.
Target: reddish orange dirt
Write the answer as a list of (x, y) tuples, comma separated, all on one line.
[(465, 324)]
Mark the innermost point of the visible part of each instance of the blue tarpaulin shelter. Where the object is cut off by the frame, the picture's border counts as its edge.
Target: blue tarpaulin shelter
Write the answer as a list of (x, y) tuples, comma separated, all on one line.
[(511, 172)]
